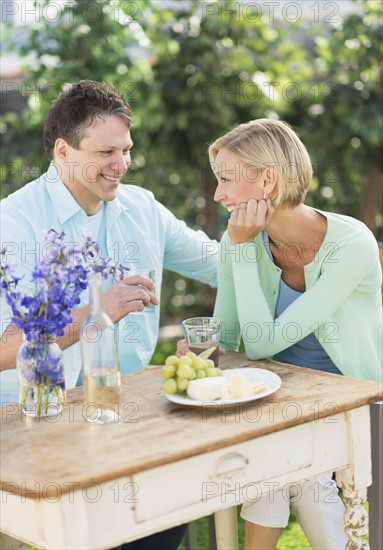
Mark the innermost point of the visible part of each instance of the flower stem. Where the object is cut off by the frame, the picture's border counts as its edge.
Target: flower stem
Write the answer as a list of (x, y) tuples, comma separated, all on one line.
[(47, 394), (39, 400)]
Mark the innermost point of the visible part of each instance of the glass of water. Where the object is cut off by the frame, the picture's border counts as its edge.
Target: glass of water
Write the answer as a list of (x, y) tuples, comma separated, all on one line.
[(150, 274)]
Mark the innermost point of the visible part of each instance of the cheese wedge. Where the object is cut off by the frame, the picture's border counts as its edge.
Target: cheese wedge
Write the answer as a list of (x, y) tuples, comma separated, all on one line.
[(208, 389), (240, 387), (259, 388)]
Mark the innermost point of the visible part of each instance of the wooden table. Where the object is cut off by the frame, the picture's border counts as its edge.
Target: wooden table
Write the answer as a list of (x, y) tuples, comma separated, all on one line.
[(69, 484)]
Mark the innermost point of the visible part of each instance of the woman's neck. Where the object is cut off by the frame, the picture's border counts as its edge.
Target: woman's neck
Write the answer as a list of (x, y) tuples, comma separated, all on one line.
[(301, 226)]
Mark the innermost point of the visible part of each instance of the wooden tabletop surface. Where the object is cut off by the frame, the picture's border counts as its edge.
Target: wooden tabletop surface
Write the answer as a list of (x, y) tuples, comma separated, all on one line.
[(152, 431)]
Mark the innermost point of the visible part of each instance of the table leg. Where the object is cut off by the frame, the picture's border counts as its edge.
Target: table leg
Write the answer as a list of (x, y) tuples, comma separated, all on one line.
[(356, 520), (375, 491), (226, 529), (355, 479)]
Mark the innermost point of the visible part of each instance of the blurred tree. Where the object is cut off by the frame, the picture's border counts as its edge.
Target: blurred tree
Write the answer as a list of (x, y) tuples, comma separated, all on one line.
[(203, 80), (341, 121), (189, 73), (78, 40), (193, 70), (211, 68)]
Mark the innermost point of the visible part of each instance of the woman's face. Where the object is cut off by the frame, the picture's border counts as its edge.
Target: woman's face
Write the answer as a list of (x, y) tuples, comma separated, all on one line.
[(237, 182)]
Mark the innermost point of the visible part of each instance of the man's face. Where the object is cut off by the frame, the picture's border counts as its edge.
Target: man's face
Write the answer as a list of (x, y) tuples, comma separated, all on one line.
[(93, 171)]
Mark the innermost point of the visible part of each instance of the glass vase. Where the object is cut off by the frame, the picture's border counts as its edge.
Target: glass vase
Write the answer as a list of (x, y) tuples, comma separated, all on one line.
[(40, 376)]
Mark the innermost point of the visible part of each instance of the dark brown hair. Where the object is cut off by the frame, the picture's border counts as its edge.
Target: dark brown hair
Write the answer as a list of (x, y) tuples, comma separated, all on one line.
[(77, 108)]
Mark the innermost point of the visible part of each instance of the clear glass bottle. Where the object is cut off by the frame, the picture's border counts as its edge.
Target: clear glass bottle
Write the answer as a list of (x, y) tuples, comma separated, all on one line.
[(100, 362)]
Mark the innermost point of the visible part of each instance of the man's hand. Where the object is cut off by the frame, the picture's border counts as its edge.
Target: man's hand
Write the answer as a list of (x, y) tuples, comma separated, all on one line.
[(249, 219), (130, 294)]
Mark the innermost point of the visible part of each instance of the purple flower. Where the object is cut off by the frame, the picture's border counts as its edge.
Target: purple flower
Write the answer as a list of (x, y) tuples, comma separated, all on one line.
[(59, 279)]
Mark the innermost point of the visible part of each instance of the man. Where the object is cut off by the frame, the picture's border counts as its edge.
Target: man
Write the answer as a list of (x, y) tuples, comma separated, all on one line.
[(87, 137)]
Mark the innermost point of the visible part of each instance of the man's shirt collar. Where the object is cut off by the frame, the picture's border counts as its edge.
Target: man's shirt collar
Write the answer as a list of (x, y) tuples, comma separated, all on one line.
[(66, 205)]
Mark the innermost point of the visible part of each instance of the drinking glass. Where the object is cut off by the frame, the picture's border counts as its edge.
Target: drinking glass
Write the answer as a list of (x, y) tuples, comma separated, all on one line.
[(150, 274), (202, 333)]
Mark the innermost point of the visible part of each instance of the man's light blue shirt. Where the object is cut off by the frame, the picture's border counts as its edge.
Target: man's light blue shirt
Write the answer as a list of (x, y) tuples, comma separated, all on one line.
[(140, 233)]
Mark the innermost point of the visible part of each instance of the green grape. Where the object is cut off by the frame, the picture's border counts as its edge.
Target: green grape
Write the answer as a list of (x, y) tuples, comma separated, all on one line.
[(205, 366), (192, 373), (182, 384), (209, 363), (213, 372), (191, 354), (200, 373), (172, 360), (185, 372), (169, 385), (199, 364), (185, 360), (168, 371)]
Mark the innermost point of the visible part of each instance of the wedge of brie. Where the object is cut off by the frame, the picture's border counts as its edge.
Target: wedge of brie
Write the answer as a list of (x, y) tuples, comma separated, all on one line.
[(208, 389)]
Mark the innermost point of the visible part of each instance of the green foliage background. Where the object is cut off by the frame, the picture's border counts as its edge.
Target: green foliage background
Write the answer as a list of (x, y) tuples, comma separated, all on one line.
[(195, 69), (192, 71)]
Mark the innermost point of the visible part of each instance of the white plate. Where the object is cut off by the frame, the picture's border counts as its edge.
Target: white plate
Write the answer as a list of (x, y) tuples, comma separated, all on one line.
[(254, 376)]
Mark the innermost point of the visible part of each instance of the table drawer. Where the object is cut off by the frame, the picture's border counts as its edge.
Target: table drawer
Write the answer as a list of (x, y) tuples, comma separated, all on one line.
[(237, 472)]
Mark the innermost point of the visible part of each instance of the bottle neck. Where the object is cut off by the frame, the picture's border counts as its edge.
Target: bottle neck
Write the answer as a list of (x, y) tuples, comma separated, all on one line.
[(96, 304)]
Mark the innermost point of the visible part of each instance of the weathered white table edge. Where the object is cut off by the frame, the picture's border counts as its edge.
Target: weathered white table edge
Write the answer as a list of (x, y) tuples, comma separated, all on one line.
[(101, 516)]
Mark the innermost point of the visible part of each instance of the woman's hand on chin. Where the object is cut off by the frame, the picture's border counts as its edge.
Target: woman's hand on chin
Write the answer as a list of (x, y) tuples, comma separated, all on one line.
[(247, 220)]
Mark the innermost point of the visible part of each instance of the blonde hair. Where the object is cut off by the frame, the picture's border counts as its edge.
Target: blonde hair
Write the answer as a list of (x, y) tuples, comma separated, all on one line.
[(264, 142)]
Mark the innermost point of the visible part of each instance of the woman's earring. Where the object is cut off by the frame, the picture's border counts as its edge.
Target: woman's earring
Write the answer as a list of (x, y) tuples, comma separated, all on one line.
[(265, 196)]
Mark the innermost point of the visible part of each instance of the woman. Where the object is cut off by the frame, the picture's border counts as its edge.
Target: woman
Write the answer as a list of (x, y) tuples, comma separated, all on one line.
[(298, 285)]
